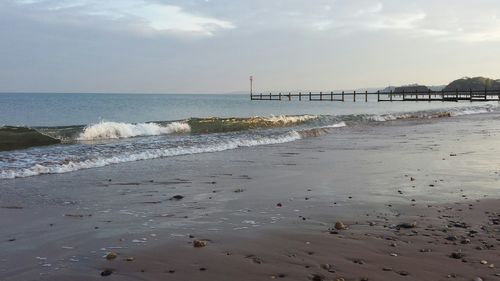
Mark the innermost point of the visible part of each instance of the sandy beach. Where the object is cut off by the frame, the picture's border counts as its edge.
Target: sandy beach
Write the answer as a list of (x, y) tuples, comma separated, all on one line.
[(401, 200)]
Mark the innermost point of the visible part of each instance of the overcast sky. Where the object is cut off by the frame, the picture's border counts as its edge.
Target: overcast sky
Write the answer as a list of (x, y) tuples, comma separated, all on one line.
[(198, 46)]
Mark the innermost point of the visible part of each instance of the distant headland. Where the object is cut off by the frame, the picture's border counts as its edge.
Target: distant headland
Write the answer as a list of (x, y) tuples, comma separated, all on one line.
[(465, 83)]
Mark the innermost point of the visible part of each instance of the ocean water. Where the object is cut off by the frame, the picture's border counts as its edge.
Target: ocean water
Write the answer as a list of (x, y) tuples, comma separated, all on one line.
[(59, 133)]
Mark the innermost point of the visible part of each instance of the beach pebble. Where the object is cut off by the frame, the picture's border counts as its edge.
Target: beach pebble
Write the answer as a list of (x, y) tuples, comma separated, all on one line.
[(484, 262), (177, 197), (106, 272), (199, 243), (407, 225), (456, 255), (477, 279), (327, 267), (404, 273), (340, 226), (111, 256), (451, 238), (130, 259)]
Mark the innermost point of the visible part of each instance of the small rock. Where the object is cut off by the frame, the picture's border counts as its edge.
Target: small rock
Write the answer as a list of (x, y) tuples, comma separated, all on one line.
[(106, 272), (199, 243), (130, 259), (456, 255), (387, 269), (407, 225), (111, 256), (477, 279), (340, 226), (484, 262), (325, 266), (279, 205), (177, 197), (451, 238), (404, 273)]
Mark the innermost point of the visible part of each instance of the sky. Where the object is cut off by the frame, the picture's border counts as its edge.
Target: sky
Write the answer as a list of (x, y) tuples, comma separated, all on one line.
[(212, 46)]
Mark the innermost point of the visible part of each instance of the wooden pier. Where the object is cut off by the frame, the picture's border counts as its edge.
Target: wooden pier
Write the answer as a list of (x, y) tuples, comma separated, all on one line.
[(429, 96)]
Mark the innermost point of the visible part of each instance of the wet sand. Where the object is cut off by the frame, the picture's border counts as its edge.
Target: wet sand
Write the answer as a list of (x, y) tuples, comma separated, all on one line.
[(420, 200)]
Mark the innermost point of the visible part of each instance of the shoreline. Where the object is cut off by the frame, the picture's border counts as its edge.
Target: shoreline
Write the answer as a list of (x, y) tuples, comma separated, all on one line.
[(233, 198)]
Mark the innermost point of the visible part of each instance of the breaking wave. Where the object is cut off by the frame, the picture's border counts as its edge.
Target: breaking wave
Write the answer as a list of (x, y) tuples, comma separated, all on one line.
[(115, 130), (68, 166)]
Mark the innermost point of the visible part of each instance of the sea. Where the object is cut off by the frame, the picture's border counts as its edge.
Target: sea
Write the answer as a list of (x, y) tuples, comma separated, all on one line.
[(46, 133)]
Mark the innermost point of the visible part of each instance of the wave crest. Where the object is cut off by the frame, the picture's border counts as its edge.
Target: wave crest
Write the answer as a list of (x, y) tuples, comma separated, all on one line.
[(116, 130), (70, 166), (288, 119)]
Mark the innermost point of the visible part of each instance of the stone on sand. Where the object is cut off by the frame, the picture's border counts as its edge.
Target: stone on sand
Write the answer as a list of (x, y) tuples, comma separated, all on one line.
[(199, 243), (340, 226), (111, 256)]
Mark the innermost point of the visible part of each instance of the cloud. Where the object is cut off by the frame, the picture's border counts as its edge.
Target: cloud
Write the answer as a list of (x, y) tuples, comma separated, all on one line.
[(137, 15), (467, 22)]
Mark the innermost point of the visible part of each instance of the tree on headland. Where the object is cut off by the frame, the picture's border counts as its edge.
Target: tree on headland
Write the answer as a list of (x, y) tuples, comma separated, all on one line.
[(475, 83)]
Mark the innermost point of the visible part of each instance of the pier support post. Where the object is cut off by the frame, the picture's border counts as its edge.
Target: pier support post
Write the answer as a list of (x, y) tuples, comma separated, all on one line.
[(300, 96), (390, 96), (378, 96), (366, 96), (280, 96), (320, 96), (331, 96), (310, 97), (354, 96), (343, 96)]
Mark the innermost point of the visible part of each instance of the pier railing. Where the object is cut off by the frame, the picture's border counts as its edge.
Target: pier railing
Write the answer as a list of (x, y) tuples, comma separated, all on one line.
[(379, 96)]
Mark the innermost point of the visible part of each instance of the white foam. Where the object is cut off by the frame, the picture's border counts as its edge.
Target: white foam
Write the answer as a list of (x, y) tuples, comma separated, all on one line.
[(148, 154), (115, 130), (284, 119), (338, 125), (466, 110)]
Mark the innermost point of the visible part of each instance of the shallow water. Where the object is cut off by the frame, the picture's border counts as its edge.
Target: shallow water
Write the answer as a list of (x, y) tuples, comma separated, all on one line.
[(91, 130)]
